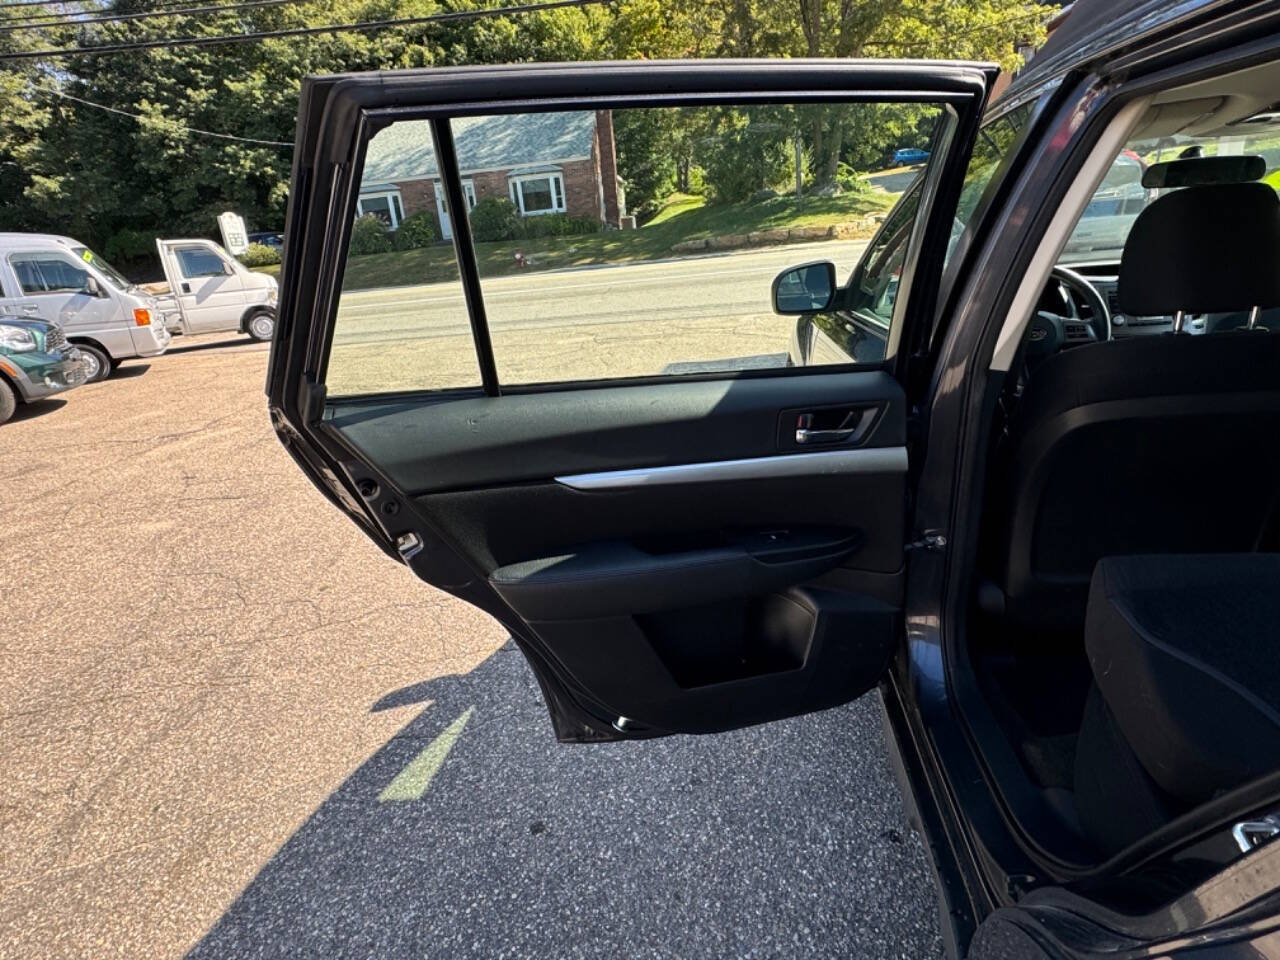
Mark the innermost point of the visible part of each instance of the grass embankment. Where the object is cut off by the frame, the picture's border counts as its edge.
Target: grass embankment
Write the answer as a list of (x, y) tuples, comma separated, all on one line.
[(682, 219)]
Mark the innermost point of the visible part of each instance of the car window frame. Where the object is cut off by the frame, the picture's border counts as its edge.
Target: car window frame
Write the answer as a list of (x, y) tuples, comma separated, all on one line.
[(438, 96), (52, 255)]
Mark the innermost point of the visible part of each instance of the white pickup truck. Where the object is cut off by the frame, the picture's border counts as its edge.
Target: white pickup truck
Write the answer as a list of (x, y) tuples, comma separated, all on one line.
[(210, 290)]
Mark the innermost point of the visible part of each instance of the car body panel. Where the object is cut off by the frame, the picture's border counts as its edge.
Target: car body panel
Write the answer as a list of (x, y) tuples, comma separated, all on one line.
[(107, 319), (53, 367)]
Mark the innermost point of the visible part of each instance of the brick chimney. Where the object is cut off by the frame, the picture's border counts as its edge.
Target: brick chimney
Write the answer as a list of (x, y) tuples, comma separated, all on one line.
[(608, 162)]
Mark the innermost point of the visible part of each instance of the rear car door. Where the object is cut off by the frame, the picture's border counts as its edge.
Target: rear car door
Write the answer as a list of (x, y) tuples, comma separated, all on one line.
[(601, 435)]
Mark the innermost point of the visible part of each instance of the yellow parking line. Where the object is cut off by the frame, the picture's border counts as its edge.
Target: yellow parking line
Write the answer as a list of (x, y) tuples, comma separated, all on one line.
[(412, 782)]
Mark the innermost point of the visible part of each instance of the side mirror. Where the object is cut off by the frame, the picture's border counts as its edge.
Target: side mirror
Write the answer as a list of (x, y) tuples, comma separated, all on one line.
[(808, 288), (92, 287)]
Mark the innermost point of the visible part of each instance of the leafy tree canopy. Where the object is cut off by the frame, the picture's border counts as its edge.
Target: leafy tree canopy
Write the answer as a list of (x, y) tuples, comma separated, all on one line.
[(111, 178)]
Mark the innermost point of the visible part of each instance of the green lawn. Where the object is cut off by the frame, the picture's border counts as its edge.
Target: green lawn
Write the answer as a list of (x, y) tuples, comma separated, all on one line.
[(684, 218)]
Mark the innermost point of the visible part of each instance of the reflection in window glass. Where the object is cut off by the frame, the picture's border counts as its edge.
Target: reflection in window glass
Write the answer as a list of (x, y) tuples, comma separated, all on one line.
[(402, 322), (995, 142)]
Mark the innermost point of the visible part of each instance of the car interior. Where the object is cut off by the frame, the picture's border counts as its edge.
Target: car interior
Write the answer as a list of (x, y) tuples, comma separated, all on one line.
[(1123, 617)]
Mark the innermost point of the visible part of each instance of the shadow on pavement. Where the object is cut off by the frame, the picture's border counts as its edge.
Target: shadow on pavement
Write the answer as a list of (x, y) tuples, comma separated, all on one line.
[(37, 408), (127, 371), (237, 340), (785, 840)]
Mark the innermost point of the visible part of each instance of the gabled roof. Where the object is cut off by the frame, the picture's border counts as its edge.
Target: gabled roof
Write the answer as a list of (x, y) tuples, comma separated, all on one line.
[(403, 151)]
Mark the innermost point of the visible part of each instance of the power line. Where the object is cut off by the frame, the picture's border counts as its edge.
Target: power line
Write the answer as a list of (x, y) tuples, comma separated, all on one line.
[(176, 123), (448, 17), (63, 20), (78, 19), (40, 3)]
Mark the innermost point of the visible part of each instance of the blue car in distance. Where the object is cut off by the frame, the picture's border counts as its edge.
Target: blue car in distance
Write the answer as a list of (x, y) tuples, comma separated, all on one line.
[(909, 156)]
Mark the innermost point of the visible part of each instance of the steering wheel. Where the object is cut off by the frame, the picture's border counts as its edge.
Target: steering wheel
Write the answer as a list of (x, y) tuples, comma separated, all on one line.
[(1048, 331)]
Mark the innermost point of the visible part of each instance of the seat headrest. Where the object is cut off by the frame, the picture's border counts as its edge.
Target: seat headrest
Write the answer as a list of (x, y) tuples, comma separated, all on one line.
[(1205, 249)]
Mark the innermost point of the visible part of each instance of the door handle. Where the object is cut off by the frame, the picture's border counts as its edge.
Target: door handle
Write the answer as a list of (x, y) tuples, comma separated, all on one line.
[(806, 434), (186, 288)]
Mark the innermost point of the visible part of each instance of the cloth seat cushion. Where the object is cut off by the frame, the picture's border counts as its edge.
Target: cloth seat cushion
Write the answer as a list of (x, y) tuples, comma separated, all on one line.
[(1186, 653)]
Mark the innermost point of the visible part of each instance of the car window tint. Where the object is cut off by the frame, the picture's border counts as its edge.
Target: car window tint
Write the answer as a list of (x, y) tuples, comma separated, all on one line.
[(402, 321), (43, 273), (994, 144), (623, 243), (645, 242), (200, 262), (874, 286), (1099, 235)]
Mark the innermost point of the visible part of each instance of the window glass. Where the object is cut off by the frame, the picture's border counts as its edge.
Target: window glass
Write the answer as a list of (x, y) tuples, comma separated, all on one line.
[(45, 273), (200, 262), (402, 322), (379, 207), (540, 194), (995, 142), (633, 243), (874, 286), (667, 267), (114, 276), (1100, 233)]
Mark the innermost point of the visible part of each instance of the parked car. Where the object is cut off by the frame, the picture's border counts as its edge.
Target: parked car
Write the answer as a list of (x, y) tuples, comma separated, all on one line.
[(268, 239), (210, 290), (909, 157), (59, 279), (36, 361), (1020, 499)]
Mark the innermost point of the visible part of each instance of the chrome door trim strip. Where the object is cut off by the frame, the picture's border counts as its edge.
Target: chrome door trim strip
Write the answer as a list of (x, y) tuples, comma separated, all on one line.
[(817, 463)]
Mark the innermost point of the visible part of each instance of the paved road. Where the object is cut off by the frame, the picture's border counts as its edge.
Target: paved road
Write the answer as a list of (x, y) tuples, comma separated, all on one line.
[(585, 323), (226, 718)]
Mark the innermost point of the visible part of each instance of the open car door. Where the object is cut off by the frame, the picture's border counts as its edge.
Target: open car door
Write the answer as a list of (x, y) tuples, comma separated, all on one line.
[(608, 438)]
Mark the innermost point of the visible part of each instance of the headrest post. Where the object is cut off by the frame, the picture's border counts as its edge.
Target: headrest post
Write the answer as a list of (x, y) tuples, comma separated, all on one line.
[(1178, 316), (1253, 316)]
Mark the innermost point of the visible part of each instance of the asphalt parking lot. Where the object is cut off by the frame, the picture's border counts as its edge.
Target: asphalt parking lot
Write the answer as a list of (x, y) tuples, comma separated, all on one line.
[(233, 728)]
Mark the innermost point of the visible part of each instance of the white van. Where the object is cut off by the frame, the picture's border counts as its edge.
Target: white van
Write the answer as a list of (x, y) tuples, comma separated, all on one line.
[(61, 280), (212, 290)]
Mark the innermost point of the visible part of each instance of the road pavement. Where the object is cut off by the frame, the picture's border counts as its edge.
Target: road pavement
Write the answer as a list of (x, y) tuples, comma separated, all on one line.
[(584, 323), (229, 725)]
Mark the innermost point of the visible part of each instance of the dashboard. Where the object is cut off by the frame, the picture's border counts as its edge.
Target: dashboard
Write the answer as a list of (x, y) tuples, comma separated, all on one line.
[(1104, 277)]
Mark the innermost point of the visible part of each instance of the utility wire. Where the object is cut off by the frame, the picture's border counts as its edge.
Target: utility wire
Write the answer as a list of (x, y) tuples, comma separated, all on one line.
[(41, 3), (175, 123), (63, 20), (172, 42)]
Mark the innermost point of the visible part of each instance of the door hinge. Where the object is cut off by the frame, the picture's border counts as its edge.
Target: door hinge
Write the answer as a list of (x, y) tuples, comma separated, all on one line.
[(933, 542)]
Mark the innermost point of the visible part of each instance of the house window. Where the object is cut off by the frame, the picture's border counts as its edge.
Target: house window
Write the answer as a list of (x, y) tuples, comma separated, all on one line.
[(386, 206), (538, 193)]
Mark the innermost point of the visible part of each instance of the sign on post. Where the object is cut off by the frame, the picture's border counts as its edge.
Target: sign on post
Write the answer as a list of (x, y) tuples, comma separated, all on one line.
[(234, 235)]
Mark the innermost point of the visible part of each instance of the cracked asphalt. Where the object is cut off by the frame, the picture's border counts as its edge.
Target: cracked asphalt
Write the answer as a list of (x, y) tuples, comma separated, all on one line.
[(210, 677)]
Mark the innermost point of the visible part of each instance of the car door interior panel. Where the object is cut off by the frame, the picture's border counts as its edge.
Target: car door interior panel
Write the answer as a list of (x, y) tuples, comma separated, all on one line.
[(686, 593), (475, 441)]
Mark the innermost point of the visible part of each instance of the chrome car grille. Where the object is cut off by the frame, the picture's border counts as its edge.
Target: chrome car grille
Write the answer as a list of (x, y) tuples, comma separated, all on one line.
[(54, 338)]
